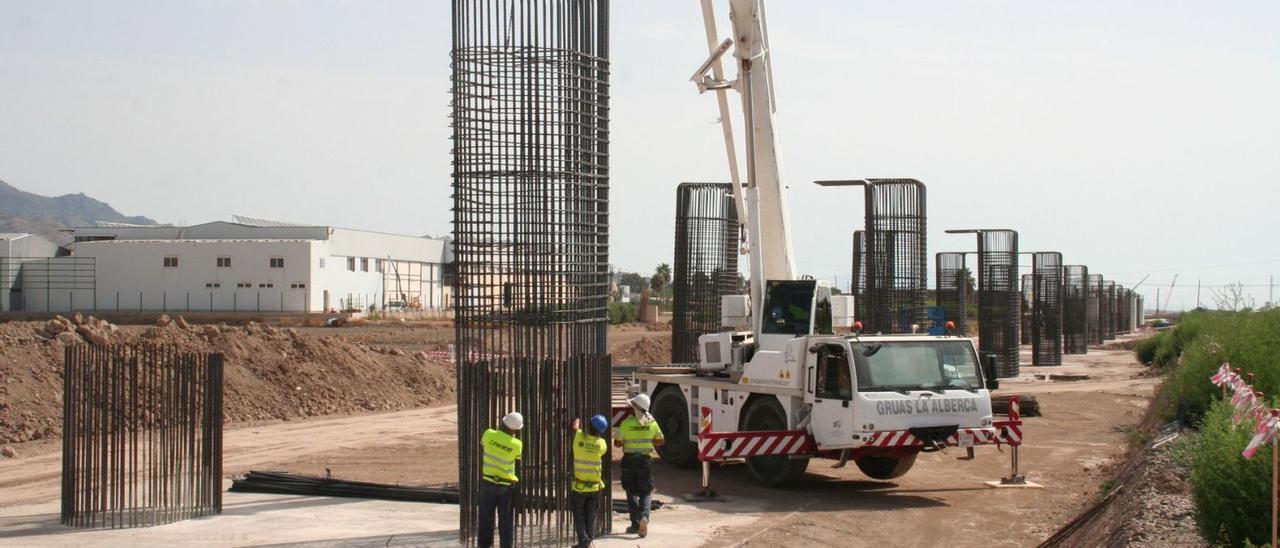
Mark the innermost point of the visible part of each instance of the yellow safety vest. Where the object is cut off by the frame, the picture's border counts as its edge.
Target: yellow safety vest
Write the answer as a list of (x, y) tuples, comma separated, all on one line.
[(638, 438), (588, 452), (501, 450)]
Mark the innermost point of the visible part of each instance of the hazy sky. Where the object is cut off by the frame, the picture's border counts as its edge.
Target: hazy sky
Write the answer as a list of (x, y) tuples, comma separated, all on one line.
[(1134, 136)]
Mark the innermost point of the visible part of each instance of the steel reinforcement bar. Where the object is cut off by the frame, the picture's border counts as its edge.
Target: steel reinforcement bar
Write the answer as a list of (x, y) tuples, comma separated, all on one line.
[(1047, 308), (952, 289), (705, 263), (1075, 314), (998, 296)]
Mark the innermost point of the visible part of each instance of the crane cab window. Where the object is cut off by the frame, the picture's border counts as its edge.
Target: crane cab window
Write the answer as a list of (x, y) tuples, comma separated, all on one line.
[(834, 380), (787, 307)]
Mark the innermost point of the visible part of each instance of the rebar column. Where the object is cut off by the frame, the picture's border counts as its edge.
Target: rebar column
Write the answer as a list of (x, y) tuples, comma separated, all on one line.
[(705, 263), (895, 256), (951, 279), (530, 109), (1107, 310), (998, 296), (141, 435), (1075, 314), (858, 281), (1046, 322), (1025, 313), (1095, 309)]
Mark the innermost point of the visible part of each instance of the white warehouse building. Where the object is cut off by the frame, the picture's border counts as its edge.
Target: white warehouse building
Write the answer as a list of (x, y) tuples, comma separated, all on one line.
[(252, 265)]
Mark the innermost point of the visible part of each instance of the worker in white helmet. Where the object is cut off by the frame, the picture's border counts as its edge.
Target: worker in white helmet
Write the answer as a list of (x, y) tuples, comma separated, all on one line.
[(501, 450), (639, 435)]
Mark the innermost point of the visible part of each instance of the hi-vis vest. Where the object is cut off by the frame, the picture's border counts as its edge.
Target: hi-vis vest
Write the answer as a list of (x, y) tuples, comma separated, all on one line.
[(638, 438), (588, 452), (500, 453)]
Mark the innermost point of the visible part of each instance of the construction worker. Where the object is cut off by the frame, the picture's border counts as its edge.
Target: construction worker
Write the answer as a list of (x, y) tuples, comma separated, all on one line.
[(589, 450), (501, 450), (640, 434)]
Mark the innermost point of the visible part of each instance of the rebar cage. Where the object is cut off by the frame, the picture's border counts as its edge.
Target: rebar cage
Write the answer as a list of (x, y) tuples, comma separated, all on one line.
[(999, 296), (705, 263), (1095, 309), (530, 109), (951, 279), (1025, 314), (858, 280), (1047, 305), (141, 435), (896, 261), (1075, 315), (1107, 310)]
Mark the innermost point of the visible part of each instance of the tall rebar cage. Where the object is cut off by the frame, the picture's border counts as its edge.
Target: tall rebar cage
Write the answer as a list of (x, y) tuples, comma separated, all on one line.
[(530, 109), (705, 263), (1122, 309), (1025, 312), (1075, 313), (951, 282), (1107, 310), (1095, 309), (1139, 311), (858, 280), (897, 264), (1047, 308), (999, 296), (141, 435)]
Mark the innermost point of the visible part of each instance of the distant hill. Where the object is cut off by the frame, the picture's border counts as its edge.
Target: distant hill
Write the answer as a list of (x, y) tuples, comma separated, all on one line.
[(28, 212)]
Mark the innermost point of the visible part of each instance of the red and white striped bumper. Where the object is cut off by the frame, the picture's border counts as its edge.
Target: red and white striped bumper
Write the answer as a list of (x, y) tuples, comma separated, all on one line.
[(713, 446), (962, 437)]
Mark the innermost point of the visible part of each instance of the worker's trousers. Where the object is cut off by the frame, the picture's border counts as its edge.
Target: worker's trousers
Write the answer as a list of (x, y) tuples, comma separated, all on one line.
[(583, 506), (637, 481), (496, 498)]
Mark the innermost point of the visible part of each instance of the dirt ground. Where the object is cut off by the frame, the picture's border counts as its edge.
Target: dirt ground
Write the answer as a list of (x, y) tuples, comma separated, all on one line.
[(1071, 451)]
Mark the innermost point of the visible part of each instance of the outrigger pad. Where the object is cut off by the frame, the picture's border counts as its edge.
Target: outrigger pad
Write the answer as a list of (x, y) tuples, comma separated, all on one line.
[(707, 494), (1018, 482)]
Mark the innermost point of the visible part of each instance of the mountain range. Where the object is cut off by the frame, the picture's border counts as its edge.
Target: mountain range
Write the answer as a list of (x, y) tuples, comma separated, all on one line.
[(22, 211)]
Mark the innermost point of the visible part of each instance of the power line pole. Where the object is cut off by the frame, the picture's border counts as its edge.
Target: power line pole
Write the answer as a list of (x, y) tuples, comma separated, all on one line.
[(1157, 301), (1197, 292)]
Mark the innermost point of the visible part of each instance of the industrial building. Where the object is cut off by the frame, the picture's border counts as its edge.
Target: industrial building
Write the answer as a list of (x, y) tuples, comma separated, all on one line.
[(21, 252), (249, 265)]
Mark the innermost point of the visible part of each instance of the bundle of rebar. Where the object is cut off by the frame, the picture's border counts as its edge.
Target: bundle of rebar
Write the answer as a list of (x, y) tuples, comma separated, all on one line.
[(705, 266), (1046, 307), (951, 279), (141, 435), (530, 103), (1075, 314)]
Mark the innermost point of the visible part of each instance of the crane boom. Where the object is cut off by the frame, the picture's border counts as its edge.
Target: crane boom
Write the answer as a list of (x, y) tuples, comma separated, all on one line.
[(770, 253)]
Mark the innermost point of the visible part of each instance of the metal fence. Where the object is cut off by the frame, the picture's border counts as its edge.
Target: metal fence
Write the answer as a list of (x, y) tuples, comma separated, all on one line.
[(1075, 313), (951, 279), (998, 296), (141, 435), (44, 284), (705, 266), (896, 261), (530, 108), (1047, 305)]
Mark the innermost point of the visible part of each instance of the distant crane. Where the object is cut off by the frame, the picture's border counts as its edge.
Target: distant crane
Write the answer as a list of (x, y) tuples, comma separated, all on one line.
[(1170, 293)]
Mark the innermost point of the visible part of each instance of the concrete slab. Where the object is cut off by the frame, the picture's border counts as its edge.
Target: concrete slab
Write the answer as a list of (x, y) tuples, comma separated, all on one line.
[(250, 519)]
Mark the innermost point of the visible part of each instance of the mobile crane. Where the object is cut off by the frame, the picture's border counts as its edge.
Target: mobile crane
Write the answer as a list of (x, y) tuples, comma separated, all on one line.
[(784, 382)]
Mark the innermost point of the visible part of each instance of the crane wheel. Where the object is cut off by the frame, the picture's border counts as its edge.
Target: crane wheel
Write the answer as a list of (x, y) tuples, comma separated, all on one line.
[(671, 411), (764, 414), (885, 468)]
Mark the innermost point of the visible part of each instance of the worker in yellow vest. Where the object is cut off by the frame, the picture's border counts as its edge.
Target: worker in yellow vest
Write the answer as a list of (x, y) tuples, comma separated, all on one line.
[(639, 435), (589, 450), (501, 450)]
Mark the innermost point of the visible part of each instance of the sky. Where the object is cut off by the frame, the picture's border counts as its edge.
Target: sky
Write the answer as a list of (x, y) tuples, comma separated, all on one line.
[(1137, 137)]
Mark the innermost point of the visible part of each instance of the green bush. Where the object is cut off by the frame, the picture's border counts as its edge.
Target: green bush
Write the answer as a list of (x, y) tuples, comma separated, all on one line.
[(1248, 340), (1232, 494), (622, 312), (1145, 349)]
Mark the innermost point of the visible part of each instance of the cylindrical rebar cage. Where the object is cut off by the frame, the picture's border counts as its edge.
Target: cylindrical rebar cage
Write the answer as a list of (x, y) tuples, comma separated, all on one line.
[(951, 280), (1075, 314), (141, 435), (896, 273), (705, 263), (1095, 309), (858, 280), (999, 298), (1046, 322), (530, 102), (1025, 312), (1107, 310)]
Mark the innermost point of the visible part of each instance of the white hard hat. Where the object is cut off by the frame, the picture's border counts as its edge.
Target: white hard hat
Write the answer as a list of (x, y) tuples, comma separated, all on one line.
[(641, 401), (513, 420)]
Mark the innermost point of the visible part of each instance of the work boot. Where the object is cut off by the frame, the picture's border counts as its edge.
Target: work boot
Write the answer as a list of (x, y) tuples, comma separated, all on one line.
[(643, 530), (633, 529)]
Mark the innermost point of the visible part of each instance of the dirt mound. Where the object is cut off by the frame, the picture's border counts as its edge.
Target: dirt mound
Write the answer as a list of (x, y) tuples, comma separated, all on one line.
[(271, 373), (649, 349)]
